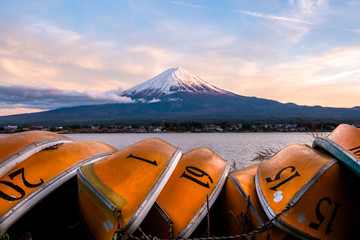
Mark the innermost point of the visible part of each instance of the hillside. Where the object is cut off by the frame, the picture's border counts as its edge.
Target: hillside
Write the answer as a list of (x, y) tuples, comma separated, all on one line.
[(177, 95)]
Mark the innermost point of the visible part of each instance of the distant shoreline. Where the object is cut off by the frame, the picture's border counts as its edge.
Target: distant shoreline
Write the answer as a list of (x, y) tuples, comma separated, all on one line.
[(175, 127)]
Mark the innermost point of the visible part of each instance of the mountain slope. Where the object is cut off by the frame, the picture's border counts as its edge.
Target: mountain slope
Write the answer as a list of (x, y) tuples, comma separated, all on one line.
[(193, 107), (177, 95), (172, 81)]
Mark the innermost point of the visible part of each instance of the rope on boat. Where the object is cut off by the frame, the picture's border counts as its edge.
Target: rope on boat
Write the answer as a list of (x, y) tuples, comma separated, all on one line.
[(249, 235), (246, 216), (171, 229), (120, 234)]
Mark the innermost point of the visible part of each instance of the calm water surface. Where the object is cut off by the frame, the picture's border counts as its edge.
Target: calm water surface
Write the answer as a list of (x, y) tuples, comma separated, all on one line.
[(240, 148)]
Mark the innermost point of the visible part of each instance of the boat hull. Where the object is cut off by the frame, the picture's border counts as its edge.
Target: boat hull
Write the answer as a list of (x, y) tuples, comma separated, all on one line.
[(238, 209), (194, 186), (29, 182), (344, 144), (310, 191), (17, 147), (118, 191)]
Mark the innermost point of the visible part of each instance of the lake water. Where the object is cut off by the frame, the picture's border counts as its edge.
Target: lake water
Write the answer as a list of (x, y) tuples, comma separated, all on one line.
[(240, 148)]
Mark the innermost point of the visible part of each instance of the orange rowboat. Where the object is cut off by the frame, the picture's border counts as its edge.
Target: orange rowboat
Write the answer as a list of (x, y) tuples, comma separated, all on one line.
[(15, 148), (36, 177), (313, 195), (120, 189), (182, 205), (238, 209), (344, 144)]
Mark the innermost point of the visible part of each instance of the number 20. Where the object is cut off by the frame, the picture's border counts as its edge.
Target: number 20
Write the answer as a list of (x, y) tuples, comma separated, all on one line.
[(16, 187)]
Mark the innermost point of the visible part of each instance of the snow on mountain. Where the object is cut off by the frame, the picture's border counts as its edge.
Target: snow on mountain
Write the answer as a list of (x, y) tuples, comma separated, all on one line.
[(171, 81)]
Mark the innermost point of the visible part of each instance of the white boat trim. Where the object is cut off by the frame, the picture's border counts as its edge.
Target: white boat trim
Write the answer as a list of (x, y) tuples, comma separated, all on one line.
[(135, 221), (162, 212), (16, 159), (339, 152), (190, 228), (311, 181), (243, 194), (35, 197)]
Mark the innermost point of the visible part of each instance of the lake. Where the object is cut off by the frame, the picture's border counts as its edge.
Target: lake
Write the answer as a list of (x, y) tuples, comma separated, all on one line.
[(240, 148)]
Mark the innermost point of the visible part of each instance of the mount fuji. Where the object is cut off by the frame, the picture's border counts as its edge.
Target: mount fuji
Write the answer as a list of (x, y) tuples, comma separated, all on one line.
[(178, 95), (174, 80)]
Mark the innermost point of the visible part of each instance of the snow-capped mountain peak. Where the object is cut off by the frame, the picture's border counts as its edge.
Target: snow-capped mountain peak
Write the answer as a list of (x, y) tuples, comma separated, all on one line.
[(171, 81)]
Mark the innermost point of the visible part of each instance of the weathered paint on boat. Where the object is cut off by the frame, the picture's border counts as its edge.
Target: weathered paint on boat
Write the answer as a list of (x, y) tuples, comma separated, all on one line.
[(33, 179), (15, 148), (238, 209), (344, 144), (129, 182), (321, 195), (198, 178)]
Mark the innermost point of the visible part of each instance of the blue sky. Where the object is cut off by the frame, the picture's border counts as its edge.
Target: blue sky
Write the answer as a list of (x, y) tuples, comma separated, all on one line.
[(65, 53)]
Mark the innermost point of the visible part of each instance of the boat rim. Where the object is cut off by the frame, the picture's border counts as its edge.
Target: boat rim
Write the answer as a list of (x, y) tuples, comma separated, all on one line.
[(339, 152), (243, 194), (136, 219), (30, 150)]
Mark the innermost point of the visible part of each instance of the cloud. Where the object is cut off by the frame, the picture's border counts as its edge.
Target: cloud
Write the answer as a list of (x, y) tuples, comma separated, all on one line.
[(20, 96), (40, 53), (312, 6), (329, 78), (273, 17), (352, 30), (154, 100), (13, 111), (187, 4), (294, 23), (92, 53)]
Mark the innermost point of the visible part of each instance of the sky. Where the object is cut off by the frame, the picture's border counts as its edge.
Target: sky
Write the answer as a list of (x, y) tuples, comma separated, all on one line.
[(60, 53)]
